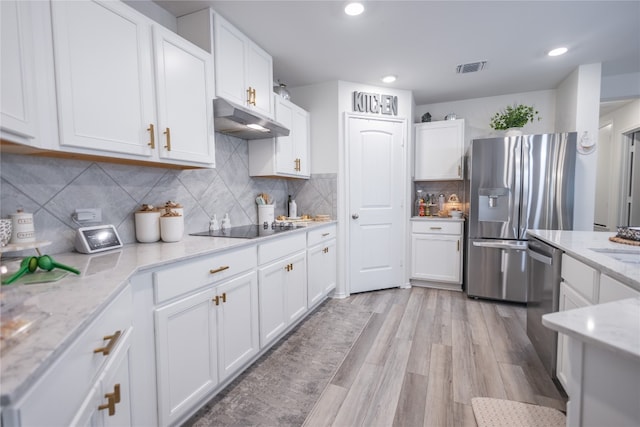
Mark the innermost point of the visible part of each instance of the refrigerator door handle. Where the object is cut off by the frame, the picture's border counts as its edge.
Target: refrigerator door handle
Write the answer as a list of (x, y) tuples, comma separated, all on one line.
[(519, 246), (539, 257)]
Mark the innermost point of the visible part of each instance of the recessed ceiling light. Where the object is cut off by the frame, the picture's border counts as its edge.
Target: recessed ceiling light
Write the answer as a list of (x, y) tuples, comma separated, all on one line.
[(354, 9), (558, 51), (389, 79)]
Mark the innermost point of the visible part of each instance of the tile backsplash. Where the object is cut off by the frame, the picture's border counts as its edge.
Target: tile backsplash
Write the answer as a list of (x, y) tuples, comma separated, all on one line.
[(52, 189)]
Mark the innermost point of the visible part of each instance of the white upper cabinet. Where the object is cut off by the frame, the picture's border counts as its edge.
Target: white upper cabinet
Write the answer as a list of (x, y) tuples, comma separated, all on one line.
[(184, 88), (286, 156), (107, 101), (439, 150), (243, 70), (27, 109)]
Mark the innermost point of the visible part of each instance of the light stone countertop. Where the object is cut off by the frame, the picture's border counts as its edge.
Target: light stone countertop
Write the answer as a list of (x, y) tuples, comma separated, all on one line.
[(614, 325), (579, 244), (436, 218), (73, 302)]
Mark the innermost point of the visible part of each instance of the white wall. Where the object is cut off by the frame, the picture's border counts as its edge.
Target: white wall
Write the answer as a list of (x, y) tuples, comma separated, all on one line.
[(623, 121), (155, 12), (621, 86), (577, 110), (477, 112)]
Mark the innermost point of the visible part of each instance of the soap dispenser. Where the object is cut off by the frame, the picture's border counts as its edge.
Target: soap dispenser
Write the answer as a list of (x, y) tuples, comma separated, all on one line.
[(213, 223), (226, 222)]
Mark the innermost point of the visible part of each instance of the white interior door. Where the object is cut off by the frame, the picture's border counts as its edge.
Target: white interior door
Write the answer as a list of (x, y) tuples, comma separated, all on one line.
[(376, 192)]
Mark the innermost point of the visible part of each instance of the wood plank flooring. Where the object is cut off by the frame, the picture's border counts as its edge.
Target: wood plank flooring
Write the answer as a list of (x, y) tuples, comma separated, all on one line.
[(424, 354)]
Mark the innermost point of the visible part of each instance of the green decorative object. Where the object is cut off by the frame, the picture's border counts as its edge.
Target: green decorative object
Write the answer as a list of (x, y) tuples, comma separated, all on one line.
[(515, 116)]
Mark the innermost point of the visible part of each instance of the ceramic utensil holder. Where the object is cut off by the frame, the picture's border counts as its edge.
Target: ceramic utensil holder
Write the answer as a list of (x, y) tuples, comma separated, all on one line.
[(23, 230), (147, 226), (171, 228), (266, 214)]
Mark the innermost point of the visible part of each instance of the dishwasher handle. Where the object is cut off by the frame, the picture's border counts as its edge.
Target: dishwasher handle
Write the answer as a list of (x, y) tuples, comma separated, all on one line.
[(539, 257), (501, 244)]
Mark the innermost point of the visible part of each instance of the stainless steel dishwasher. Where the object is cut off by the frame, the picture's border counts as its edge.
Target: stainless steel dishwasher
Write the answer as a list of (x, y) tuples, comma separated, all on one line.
[(543, 297)]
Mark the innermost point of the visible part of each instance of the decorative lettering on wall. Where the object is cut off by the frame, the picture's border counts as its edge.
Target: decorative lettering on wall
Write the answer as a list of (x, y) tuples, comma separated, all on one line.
[(374, 103)]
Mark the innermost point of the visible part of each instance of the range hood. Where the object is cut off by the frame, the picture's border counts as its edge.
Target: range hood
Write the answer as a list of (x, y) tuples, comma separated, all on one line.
[(232, 119)]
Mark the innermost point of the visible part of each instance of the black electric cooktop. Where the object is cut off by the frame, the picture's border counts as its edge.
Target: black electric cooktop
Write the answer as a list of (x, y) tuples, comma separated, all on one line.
[(248, 231)]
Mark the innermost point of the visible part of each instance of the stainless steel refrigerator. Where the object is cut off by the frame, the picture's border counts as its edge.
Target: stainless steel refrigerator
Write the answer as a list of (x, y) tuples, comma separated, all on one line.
[(516, 183)]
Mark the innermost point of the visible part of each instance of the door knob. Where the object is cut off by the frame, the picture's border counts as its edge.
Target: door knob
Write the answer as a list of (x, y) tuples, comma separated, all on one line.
[(355, 216)]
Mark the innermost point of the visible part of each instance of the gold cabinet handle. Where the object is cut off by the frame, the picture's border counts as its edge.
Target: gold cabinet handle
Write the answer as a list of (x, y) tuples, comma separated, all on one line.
[(325, 250), (219, 269), (251, 96), (113, 339), (325, 234), (219, 298), (459, 170), (168, 133), (458, 246), (112, 399), (152, 137), (288, 267), (297, 165), (435, 228)]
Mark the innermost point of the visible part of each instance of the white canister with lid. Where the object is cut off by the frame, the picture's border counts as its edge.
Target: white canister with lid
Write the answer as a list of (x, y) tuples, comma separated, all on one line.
[(147, 224), (171, 227), (23, 230)]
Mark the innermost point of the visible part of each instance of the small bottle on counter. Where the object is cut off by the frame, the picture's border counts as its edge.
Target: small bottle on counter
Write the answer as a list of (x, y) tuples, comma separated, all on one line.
[(226, 222), (213, 223), (293, 209)]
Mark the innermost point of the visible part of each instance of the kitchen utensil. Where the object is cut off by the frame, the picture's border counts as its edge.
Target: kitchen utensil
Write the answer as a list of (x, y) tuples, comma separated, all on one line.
[(29, 264), (260, 200), (47, 263), (6, 226)]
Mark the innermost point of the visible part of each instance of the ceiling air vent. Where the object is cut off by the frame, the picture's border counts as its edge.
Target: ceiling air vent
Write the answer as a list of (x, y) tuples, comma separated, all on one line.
[(471, 67)]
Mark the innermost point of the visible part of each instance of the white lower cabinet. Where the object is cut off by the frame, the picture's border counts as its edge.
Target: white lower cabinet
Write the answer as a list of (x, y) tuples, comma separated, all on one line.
[(613, 290), (321, 262), (568, 300), (283, 295), (201, 340), (89, 383), (436, 251)]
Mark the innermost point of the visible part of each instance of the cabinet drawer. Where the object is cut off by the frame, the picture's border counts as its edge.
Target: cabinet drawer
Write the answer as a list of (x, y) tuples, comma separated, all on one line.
[(278, 248), (322, 234), (59, 393), (613, 290), (191, 275), (580, 277), (436, 227)]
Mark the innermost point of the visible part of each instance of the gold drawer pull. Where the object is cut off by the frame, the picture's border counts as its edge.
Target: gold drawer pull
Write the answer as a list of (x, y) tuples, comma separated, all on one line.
[(288, 267), (218, 270), (325, 234), (325, 250), (152, 141), (113, 339), (112, 399), (435, 228)]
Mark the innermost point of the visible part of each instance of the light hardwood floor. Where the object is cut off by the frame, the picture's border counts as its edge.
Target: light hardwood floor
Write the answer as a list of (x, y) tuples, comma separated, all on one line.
[(422, 357)]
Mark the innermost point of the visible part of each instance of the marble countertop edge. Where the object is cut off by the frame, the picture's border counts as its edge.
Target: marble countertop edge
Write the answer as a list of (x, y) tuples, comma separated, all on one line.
[(614, 326)]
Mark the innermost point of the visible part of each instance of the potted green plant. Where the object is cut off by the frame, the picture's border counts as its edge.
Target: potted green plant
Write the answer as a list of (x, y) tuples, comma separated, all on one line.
[(515, 116)]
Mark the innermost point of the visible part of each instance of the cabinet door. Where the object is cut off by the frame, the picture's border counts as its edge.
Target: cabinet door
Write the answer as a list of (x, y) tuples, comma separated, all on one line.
[(568, 300), (296, 291), (271, 297), (259, 76), (285, 160), (238, 335), (104, 76), (184, 89), (229, 50), (439, 150), (436, 257), (108, 403), (301, 132), (321, 278), (17, 70), (186, 352)]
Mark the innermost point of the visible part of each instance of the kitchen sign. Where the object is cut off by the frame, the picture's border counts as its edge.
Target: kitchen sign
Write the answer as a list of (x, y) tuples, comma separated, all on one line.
[(375, 103)]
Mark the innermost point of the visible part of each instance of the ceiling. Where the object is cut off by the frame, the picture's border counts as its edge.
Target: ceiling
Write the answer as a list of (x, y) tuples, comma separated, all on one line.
[(422, 42)]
